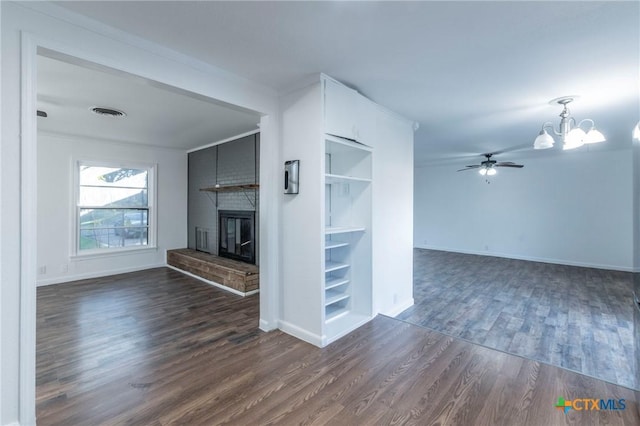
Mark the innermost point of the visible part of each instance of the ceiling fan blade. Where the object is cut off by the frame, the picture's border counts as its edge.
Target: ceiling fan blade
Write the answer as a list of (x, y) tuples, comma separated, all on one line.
[(511, 149), (517, 166), (504, 163), (468, 168)]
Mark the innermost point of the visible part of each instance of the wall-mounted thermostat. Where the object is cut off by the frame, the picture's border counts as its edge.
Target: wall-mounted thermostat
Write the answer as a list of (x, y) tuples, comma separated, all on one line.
[(291, 179)]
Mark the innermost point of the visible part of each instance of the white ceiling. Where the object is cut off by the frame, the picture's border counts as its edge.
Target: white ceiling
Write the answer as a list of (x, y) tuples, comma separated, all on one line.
[(155, 116), (477, 76)]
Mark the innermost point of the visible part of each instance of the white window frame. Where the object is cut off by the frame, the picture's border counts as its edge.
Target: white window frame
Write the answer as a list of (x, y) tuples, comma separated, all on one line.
[(151, 215)]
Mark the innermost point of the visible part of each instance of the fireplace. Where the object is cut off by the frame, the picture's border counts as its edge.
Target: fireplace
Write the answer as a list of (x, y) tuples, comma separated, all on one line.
[(236, 236)]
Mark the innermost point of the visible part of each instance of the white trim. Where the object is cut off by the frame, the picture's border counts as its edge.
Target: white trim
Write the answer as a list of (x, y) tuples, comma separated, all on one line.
[(127, 143), (265, 326), (269, 221), (89, 275), (326, 341), (231, 139), (12, 424), (213, 283), (301, 333), (530, 258), (2, 337), (152, 213), (398, 308), (28, 231)]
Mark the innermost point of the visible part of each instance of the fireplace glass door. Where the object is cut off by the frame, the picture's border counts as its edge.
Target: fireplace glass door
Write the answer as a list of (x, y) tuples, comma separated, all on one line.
[(236, 239)]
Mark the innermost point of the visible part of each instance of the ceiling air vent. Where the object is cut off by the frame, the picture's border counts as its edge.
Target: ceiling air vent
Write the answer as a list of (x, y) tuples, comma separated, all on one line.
[(108, 112)]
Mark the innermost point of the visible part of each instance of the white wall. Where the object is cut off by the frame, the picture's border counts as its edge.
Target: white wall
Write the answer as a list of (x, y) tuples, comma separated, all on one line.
[(302, 230), (392, 214), (572, 208), (44, 24), (56, 156)]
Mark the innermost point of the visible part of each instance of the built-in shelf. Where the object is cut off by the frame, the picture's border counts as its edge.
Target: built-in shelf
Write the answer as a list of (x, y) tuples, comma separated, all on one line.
[(330, 266), (332, 178), (334, 296), (231, 188), (334, 244), (335, 282), (338, 144), (343, 229), (335, 311)]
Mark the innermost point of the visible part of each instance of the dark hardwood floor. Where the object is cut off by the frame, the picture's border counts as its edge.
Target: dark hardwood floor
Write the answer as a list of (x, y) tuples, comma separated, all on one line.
[(157, 348), (572, 317)]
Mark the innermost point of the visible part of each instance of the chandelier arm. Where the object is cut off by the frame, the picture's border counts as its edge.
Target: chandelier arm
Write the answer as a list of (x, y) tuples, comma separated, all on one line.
[(567, 123), (549, 126), (593, 124)]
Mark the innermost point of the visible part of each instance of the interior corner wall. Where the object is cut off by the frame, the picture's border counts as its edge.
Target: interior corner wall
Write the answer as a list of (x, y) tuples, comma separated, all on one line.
[(392, 214), (571, 208), (56, 156), (636, 216), (231, 163)]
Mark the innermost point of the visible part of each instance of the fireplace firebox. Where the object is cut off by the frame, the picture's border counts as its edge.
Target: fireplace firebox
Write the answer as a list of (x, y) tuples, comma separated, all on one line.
[(236, 236)]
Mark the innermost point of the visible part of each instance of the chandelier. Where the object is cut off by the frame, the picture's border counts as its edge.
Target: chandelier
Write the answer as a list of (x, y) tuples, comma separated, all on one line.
[(571, 134)]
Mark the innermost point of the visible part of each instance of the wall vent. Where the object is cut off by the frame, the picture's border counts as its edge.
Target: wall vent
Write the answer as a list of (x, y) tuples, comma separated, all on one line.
[(109, 112)]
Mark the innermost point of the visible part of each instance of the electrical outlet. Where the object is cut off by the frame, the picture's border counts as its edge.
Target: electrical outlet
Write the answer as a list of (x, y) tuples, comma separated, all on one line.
[(64, 268), (42, 269)]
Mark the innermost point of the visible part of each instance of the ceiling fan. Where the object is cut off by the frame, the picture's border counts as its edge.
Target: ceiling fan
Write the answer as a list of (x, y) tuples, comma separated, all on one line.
[(488, 166)]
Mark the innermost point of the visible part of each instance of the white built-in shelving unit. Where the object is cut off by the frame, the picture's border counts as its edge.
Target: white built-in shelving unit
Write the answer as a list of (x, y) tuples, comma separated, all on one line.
[(329, 227), (347, 280)]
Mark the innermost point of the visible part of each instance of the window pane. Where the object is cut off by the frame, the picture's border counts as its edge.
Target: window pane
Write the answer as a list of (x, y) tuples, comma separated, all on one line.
[(113, 207), (109, 228), (112, 197), (111, 176)]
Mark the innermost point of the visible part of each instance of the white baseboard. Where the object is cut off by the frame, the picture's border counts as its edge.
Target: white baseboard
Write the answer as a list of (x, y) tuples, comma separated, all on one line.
[(327, 341), (398, 308), (265, 325), (12, 424), (98, 274), (530, 258), (301, 334), (215, 284)]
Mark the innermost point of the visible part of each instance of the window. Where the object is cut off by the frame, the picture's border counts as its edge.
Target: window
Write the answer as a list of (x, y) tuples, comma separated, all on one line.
[(114, 207)]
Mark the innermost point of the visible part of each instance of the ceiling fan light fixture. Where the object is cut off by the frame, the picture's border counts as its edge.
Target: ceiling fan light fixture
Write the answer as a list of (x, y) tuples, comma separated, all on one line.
[(543, 141), (489, 167)]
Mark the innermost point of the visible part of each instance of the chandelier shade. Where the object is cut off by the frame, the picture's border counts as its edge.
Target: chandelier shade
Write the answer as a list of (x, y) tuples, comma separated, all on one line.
[(543, 141), (594, 136)]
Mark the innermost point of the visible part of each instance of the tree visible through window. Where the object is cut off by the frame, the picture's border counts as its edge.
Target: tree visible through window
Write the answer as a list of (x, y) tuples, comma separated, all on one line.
[(113, 207)]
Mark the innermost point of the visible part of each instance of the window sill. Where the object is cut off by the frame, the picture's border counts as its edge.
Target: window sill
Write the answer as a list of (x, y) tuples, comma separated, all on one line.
[(113, 252)]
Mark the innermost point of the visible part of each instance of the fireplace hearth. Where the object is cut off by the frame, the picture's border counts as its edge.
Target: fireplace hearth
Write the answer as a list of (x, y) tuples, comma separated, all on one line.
[(236, 236)]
